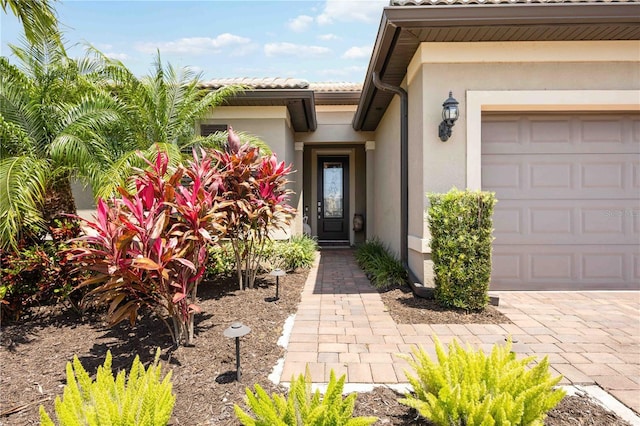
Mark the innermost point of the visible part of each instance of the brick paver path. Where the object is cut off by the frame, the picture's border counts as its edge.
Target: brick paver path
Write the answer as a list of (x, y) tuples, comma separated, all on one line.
[(342, 324)]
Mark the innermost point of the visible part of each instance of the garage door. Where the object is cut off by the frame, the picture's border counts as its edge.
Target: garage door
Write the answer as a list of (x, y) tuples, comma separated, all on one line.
[(568, 190)]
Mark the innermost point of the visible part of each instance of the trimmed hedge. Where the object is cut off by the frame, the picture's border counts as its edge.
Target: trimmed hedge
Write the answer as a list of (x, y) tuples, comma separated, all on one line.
[(461, 235)]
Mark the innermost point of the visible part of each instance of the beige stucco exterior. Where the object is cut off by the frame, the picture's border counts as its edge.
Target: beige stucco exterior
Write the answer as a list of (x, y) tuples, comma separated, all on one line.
[(492, 76)]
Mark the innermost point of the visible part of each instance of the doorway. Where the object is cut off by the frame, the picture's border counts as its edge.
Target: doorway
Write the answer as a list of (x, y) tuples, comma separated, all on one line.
[(333, 198)]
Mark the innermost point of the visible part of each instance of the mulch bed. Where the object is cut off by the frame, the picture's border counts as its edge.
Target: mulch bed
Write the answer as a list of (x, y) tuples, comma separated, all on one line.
[(35, 350)]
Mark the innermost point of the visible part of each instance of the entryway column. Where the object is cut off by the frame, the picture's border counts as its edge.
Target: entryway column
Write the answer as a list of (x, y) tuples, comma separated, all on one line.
[(369, 147), (298, 186)]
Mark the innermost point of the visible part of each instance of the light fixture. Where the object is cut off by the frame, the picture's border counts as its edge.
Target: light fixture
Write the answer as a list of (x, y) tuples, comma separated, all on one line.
[(237, 330), (277, 273), (450, 114)]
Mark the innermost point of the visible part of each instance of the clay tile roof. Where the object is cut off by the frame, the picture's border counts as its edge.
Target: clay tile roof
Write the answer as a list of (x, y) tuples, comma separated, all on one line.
[(258, 83), (463, 2), (335, 87)]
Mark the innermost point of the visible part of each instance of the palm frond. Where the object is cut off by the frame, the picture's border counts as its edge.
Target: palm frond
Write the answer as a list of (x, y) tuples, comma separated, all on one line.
[(23, 182)]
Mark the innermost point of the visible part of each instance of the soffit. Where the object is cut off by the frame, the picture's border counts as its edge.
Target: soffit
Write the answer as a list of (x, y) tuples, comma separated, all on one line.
[(403, 28)]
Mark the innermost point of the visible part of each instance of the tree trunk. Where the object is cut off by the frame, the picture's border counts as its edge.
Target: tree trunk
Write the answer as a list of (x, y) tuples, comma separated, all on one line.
[(58, 200)]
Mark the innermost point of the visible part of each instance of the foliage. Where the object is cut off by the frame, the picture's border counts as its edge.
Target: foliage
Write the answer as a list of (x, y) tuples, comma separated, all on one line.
[(38, 273), (141, 398), (149, 247), (159, 109), (37, 16), (302, 407), (222, 260), (461, 227), (467, 387), (255, 195), (383, 269), (299, 251), (51, 119)]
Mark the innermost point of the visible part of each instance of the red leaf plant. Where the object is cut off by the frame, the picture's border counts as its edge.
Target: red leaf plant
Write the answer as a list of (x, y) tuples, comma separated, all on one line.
[(254, 199), (149, 248)]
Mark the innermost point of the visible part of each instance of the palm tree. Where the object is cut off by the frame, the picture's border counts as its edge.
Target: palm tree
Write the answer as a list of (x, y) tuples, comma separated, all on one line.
[(160, 112), (37, 16), (50, 122)]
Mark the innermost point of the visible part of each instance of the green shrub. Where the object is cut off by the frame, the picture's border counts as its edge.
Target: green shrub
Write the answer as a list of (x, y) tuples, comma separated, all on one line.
[(139, 399), (467, 387), (39, 273), (383, 269), (222, 260), (302, 407), (297, 252), (461, 226)]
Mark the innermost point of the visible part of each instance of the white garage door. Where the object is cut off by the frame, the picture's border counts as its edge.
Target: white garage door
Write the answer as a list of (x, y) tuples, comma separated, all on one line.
[(568, 190)]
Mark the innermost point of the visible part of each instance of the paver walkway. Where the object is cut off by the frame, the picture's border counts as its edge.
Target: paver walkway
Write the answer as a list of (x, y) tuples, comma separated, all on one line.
[(342, 324)]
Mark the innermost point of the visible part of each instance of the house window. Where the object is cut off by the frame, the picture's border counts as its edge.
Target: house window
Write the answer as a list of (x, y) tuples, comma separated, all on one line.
[(208, 129)]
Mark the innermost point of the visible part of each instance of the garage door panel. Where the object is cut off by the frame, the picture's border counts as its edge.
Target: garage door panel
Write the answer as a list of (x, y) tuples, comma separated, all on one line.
[(566, 222), (557, 134), (562, 176), (565, 268), (568, 190)]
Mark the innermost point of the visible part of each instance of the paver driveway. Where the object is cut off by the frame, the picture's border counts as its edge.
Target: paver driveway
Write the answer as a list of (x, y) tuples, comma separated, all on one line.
[(342, 324)]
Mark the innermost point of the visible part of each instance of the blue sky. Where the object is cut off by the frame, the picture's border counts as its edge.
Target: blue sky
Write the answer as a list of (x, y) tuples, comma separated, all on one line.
[(324, 40)]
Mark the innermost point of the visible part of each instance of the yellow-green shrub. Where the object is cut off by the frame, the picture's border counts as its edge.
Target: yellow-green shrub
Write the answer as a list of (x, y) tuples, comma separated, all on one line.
[(469, 388), (461, 225), (302, 407), (142, 398)]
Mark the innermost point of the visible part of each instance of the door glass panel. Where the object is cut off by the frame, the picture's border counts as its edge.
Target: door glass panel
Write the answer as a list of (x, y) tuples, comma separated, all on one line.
[(332, 188)]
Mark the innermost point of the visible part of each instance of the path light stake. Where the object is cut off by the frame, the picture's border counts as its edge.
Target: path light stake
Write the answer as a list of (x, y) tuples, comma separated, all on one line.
[(277, 273), (237, 330)]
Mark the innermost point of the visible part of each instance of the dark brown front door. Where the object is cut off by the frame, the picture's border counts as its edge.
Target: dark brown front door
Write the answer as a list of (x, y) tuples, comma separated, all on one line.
[(333, 198)]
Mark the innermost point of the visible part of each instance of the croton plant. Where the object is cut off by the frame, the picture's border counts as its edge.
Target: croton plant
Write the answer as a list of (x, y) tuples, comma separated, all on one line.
[(149, 247)]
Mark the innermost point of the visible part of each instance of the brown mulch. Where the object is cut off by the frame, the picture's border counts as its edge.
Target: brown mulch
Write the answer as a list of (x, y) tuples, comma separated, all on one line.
[(35, 350), (405, 308)]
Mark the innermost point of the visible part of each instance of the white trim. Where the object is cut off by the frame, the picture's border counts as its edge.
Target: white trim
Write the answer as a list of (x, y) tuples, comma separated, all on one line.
[(370, 145), (298, 146), (532, 100), (351, 152)]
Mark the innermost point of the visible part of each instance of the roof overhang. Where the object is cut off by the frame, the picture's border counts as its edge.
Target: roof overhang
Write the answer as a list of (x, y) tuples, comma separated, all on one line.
[(299, 102), (403, 28)]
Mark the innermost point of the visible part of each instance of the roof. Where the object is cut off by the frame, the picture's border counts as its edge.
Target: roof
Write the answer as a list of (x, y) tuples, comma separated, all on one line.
[(299, 96), (258, 83), (407, 23)]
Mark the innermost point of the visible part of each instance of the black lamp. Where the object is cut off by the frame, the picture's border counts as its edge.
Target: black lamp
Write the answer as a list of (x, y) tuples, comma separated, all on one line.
[(237, 330), (277, 273), (450, 114)]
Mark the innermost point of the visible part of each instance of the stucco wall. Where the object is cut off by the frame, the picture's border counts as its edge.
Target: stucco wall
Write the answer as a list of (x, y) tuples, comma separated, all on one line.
[(444, 163), (387, 178), (436, 166)]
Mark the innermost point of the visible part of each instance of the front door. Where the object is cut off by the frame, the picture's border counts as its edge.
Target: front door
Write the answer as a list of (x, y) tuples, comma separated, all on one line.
[(333, 198)]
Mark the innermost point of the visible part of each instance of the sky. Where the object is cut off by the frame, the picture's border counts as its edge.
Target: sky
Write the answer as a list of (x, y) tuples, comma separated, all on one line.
[(314, 40)]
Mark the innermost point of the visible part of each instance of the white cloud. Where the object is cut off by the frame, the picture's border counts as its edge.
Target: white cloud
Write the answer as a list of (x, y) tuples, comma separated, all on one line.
[(117, 56), (300, 23), (348, 11), (328, 37), (291, 49), (194, 45), (357, 52)]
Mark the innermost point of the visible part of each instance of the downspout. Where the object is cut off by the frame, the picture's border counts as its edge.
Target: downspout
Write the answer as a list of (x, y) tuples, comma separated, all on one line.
[(404, 166)]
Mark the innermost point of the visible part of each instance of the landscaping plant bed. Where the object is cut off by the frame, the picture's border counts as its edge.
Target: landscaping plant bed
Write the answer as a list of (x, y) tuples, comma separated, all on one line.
[(35, 350)]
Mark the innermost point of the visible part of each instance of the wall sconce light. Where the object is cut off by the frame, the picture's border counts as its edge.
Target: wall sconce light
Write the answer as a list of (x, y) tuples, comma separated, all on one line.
[(237, 330), (450, 114)]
